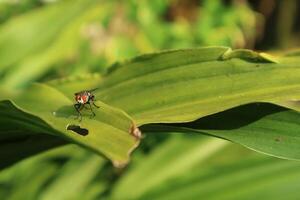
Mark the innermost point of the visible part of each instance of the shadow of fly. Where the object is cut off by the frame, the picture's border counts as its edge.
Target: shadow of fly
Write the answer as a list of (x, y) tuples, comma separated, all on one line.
[(83, 99)]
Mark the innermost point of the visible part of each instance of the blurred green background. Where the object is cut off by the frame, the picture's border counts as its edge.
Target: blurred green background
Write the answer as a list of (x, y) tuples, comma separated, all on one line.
[(41, 40)]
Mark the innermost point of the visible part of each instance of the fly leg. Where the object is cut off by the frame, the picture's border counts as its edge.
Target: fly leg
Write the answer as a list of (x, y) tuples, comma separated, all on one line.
[(96, 105), (78, 107), (93, 114), (92, 101)]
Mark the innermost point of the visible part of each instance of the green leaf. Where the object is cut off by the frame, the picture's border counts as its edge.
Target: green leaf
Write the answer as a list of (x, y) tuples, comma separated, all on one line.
[(51, 112), (184, 85), (248, 54), (265, 128), (20, 135)]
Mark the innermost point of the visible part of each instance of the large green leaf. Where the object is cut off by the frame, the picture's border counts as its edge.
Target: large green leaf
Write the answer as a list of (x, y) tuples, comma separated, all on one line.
[(184, 85), (265, 128), (50, 112), (177, 86)]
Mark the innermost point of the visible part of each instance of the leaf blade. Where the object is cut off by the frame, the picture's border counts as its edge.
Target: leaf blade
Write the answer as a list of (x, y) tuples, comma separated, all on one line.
[(109, 132)]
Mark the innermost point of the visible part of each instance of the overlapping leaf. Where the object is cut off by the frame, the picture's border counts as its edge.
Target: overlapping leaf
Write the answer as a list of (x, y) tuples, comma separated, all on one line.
[(50, 112), (265, 128), (183, 86)]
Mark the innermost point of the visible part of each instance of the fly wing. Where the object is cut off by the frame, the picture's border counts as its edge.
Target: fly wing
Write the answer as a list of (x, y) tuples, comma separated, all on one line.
[(85, 91), (93, 89), (79, 93)]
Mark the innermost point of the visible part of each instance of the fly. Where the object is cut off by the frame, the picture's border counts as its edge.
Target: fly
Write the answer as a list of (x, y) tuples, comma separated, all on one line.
[(84, 98)]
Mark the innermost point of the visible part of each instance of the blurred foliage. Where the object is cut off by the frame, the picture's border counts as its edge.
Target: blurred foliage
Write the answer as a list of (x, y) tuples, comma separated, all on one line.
[(76, 37), (41, 40), (177, 168)]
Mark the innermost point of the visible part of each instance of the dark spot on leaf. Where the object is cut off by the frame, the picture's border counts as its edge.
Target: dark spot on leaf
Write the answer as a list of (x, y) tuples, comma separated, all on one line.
[(78, 129), (278, 139)]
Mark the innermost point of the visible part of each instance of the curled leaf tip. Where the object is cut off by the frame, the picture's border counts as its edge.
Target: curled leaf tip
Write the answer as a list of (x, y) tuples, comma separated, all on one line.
[(249, 55), (268, 57), (135, 131), (118, 164)]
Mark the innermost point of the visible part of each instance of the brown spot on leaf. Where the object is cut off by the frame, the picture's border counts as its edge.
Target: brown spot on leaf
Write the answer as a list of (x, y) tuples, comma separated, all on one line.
[(135, 131), (119, 165)]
